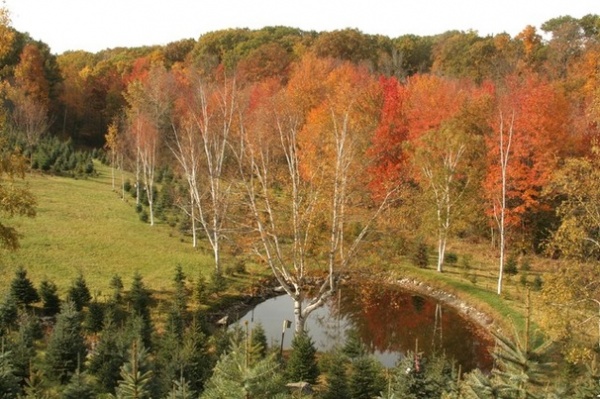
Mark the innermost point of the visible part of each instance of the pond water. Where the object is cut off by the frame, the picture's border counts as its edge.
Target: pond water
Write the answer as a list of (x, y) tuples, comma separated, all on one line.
[(389, 321)]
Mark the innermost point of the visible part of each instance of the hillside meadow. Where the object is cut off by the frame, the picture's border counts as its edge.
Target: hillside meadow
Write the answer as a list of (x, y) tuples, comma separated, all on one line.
[(83, 226)]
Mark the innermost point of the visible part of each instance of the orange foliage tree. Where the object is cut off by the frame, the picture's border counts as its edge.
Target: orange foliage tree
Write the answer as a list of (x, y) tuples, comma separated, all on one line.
[(528, 127), (299, 178)]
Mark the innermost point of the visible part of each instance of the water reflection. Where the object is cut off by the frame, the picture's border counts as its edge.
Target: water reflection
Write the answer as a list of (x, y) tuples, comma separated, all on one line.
[(388, 321)]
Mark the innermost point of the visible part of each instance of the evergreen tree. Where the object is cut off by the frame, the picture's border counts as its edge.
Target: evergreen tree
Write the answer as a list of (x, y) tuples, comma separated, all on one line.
[(9, 382), (169, 361), (366, 379), (49, 295), (480, 386), (416, 377), (353, 346), (521, 368), (237, 377), (139, 300), (302, 364), (66, 346), (116, 283), (180, 291), (22, 289), (588, 385), (201, 291), (95, 317), (199, 360), (259, 339), (178, 313), (9, 314), (181, 390), (79, 293), (23, 346), (108, 357), (135, 375), (78, 388), (35, 386), (337, 380)]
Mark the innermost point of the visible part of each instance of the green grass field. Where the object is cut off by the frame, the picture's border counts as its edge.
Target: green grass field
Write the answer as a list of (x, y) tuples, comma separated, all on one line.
[(82, 226)]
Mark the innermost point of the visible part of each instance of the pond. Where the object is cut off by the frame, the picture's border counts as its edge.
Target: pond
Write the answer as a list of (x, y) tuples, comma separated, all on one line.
[(388, 320)]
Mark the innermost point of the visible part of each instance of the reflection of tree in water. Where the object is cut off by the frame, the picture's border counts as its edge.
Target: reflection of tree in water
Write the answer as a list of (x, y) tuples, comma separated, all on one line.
[(390, 320)]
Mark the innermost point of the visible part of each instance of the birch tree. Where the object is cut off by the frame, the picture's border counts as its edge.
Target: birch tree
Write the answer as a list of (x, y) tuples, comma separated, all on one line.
[(298, 165), (522, 151), (200, 144), (150, 100), (505, 138), (443, 160)]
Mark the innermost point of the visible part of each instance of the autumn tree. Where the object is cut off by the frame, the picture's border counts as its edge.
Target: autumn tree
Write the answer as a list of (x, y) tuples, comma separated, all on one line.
[(150, 101), (443, 147), (299, 167), (30, 96), (571, 295), (114, 146), (530, 116), (7, 34), (16, 199), (444, 165), (388, 149), (201, 139)]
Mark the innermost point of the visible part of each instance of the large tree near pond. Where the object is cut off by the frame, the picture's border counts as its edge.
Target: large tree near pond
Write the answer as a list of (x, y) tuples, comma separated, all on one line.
[(300, 155)]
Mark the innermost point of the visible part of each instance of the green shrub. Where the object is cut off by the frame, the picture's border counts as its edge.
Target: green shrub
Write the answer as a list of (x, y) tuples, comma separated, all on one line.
[(510, 268), (217, 283), (525, 264), (421, 255), (450, 258)]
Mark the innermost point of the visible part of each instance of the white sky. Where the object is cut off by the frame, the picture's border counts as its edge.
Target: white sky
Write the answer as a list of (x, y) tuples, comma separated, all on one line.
[(94, 25)]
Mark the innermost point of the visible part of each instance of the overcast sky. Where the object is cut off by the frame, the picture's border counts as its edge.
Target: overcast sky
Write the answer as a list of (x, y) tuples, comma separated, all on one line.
[(95, 25)]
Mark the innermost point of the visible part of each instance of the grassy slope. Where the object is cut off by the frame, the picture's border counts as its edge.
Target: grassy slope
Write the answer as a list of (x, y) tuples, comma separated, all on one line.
[(83, 226)]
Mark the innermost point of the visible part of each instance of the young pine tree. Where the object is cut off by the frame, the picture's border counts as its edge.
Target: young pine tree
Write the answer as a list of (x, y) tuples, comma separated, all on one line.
[(9, 313), (181, 390), (199, 360), (135, 375), (259, 340), (416, 377), (116, 283), (237, 376), (366, 379), (49, 295), (9, 382), (66, 346), (108, 357), (94, 319), (23, 345), (139, 300), (79, 293), (337, 379), (79, 388), (302, 364), (22, 289)]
